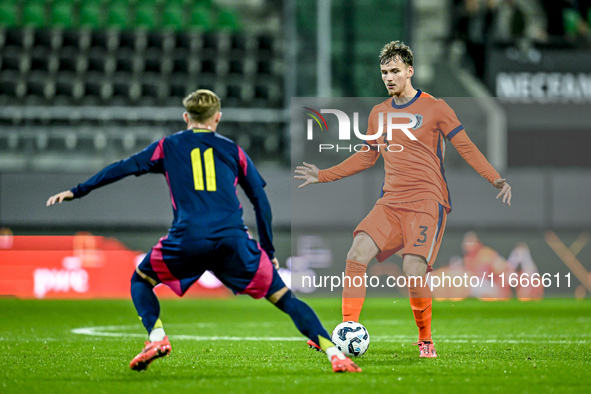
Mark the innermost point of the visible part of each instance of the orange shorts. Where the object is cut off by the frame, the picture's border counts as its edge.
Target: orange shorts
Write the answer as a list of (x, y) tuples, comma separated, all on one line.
[(414, 227)]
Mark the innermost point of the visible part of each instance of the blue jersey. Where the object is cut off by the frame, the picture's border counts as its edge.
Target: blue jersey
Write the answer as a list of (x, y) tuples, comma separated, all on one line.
[(202, 169)]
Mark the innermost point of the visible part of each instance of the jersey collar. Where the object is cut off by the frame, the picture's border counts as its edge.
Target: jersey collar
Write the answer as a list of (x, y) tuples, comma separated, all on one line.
[(394, 105), (202, 131)]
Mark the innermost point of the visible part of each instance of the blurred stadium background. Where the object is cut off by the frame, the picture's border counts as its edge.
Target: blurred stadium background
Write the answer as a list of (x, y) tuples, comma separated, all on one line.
[(84, 83)]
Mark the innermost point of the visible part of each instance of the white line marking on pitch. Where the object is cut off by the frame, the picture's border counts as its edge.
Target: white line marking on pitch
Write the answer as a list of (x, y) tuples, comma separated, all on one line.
[(107, 331)]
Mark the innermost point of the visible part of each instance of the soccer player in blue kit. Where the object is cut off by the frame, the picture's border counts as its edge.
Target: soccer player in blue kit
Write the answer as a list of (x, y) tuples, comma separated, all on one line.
[(202, 169)]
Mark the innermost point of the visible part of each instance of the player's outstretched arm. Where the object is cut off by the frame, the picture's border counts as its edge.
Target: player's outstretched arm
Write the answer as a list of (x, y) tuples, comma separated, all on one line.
[(505, 190), (60, 197), (308, 172)]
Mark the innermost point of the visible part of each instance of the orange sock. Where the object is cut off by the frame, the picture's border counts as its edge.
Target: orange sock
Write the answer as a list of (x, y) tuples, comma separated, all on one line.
[(421, 300), (353, 296)]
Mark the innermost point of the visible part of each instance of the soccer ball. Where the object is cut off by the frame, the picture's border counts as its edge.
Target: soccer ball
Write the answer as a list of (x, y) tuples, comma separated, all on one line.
[(351, 338)]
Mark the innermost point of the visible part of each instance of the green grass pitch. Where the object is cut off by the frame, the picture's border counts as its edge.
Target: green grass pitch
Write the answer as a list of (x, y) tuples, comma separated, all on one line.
[(219, 346)]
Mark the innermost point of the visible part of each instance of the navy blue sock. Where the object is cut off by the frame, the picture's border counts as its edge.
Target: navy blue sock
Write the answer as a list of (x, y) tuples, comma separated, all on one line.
[(304, 318), (145, 301)]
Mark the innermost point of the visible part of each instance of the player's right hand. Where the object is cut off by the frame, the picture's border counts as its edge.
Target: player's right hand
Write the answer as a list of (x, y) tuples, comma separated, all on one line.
[(60, 197), (308, 172)]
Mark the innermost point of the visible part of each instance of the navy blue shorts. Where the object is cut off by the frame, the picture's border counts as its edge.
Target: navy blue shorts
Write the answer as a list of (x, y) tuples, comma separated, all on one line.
[(238, 262)]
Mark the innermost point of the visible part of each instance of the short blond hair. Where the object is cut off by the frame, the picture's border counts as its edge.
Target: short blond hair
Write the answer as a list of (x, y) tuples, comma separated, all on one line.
[(202, 104), (394, 50)]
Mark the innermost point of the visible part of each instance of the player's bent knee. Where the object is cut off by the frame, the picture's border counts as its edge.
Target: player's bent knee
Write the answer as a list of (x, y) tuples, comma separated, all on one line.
[(414, 265), (363, 249), (357, 255)]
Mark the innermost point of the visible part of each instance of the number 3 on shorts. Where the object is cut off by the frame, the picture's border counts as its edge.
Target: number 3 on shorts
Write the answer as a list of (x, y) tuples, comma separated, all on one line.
[(198, 169), (424, 234)]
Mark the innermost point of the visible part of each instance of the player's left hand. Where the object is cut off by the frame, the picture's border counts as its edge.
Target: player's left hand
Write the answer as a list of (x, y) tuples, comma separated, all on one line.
[(505, 190), (60, 197), (275, 263)]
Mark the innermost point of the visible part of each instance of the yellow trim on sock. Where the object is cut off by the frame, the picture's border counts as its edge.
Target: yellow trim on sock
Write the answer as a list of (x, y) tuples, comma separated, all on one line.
[(324, 343), (146, 277), (277, 295), (158, 324)]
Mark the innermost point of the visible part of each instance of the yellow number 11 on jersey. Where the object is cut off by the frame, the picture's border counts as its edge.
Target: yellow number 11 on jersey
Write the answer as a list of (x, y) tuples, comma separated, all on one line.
[(210, 181)]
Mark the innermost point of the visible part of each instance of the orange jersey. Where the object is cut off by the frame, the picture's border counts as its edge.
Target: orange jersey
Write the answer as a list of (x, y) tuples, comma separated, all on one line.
[(414, 168)]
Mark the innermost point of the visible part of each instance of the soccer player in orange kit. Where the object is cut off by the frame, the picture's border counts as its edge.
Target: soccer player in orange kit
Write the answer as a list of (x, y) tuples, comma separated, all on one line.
[(410, 215)]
